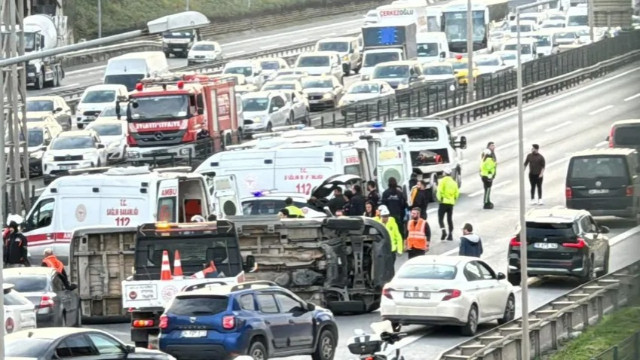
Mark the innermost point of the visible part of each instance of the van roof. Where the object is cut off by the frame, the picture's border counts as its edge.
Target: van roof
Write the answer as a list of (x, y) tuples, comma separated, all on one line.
[(138, 55), (400, 62), (556, 214), (106, 87), (136, 175), (604, 151), (74, 133), (319, 53), (627, 122), (338, 39)]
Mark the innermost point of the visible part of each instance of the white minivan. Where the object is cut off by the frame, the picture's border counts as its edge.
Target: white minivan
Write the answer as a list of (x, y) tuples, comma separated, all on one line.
[(432, 46), (529, 48), (129, 69), (95, 99)]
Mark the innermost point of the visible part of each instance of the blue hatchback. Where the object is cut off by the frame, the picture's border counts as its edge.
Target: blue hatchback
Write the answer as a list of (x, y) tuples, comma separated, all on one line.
[(259, 319)]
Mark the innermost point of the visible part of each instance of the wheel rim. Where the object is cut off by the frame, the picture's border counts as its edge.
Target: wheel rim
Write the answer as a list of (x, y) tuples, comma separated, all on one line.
[(326, 347), (510, 311), (473, 320), (257, 354)]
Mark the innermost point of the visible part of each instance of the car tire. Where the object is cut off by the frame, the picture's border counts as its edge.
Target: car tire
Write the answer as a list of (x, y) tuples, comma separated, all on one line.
[(509, 310), (470, 328), (589, 273), (605, 264), (326, 346), (269, 128), (290, 120), (514, 279), (257, 351)]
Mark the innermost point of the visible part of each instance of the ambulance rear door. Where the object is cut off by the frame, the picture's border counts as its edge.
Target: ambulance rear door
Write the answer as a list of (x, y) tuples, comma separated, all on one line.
[(226, 198), (167, 209), (392, 163)]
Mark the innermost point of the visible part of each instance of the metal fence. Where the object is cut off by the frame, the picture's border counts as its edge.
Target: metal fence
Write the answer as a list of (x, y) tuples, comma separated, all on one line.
[(627, 349)]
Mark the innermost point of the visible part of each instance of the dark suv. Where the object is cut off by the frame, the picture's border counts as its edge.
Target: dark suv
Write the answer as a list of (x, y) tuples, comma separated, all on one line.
[(259, 319), (561, 242), (605, 182)]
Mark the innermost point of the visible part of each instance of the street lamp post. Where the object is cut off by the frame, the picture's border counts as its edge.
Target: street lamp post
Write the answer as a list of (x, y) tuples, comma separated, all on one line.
[(525, 347), (99, 18), (470, 79)]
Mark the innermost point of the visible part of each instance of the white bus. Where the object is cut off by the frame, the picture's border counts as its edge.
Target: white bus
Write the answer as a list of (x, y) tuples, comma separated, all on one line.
[(454, 23)]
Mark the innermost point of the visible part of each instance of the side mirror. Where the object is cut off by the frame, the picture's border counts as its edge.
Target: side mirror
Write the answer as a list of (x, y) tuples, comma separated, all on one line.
[(274, 109), (604, 229), (250, 263), (607, 138), (463, 142), (310, 307), (413, 79), (58, 109), (364, 77), (44, 147), (501, 276), (443, 54), (101, 146), (130, 349)]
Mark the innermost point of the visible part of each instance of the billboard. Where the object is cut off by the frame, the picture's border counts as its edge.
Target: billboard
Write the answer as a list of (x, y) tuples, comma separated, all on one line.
[(612, 13)]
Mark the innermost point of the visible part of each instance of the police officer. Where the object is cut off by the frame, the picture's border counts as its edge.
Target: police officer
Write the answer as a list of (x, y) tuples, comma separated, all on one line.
[(294, 211), (447, 195), (419, 234), (487, 173)]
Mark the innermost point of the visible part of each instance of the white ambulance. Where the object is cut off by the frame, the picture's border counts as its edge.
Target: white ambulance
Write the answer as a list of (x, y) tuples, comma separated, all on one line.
[(121, 197)]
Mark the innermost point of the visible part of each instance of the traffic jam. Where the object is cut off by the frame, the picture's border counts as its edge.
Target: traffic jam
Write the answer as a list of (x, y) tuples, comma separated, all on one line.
[(207, 212)]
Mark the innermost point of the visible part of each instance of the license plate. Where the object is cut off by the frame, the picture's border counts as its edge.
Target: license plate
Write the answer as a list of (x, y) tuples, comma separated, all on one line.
[(91, 118), (417, 294), (598, 191), (193, 333), (545, 245), (66, 167)]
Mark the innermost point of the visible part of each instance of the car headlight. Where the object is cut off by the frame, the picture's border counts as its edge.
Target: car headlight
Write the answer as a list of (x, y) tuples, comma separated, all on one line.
[(327, 96), (48, 158), (345, 58), (257, 119), (37, 154), (402, 86)]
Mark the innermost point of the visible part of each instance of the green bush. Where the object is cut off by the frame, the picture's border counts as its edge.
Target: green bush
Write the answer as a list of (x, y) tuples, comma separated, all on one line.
[(123, 15)]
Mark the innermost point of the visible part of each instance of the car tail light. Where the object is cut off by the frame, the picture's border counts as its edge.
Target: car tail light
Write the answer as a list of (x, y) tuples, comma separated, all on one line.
[(568, 193), (46, 302), (451, 294), (369, 358), (611, 137), (629, 191), (9, 325), (386, 292), (577, 245), (514, 242), (228, 322), (142, 323), (164, 322)]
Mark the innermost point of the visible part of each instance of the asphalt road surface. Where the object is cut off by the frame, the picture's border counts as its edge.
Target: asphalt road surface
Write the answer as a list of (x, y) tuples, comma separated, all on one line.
[(562, 124)]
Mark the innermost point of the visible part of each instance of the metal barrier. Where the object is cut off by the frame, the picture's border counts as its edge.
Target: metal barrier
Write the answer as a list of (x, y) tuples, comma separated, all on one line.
[(104, 53), (554, 321), (627, 349)]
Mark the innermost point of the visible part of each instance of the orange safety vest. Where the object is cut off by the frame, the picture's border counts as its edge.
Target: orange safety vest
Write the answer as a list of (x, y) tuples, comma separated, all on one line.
[(53, 262), (417, 239)]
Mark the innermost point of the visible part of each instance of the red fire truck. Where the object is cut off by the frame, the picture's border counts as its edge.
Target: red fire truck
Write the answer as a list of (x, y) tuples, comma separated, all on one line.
[(180, 117)]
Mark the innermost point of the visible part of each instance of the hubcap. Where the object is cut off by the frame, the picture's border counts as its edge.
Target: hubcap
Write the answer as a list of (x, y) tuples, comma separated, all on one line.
[(257, 354), (472, 320), (327, 348), (511, 309)]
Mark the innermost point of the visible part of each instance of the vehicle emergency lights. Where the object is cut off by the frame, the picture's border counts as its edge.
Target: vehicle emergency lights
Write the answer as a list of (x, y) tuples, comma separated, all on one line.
[(139, 87), (458, 57), (180, 84)]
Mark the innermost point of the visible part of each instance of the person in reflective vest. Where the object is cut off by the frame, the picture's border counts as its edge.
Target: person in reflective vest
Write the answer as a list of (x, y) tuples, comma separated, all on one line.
[(417, 242), (447, 195), (52, 261), (294, 211), (210, 272), (487, 173), (392, 227)]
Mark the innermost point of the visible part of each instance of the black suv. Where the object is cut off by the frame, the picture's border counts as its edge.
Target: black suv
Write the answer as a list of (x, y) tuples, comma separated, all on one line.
[(561, 242), (605, 182)]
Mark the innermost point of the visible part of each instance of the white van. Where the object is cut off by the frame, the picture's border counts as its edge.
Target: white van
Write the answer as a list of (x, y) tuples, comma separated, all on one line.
[(373, 57), (349, 50), (129, 69), (529, 48), (576, 17), (95, 99), (118, 197), (432, 46)]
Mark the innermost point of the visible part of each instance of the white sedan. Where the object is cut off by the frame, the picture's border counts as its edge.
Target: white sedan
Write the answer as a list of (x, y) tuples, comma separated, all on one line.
[(447, 290), (367, 90), (113, 134), (19, 312)]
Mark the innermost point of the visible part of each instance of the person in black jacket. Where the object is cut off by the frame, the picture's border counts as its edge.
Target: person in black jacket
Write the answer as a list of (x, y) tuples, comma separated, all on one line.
[(470, 243), (15, 247), (422, 197), (338, 201), (356, 202), (374, 194), (394, 199)]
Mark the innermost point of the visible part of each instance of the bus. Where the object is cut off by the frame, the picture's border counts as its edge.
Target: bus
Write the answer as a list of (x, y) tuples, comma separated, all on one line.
[(454, 23)]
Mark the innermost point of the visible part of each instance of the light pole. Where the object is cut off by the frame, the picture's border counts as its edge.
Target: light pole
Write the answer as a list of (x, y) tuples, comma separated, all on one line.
[(99, 18), (174, 22), (470, 79), (525, 347)]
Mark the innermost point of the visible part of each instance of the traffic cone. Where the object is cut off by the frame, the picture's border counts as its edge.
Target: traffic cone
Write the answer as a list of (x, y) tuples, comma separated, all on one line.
[(177, 266), (165, 270)]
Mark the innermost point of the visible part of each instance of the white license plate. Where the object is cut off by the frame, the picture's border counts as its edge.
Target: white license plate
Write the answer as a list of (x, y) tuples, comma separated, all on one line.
[(545, 245), (67, 167), (417, 294), (598, 191), (91, 118), (193, 333)]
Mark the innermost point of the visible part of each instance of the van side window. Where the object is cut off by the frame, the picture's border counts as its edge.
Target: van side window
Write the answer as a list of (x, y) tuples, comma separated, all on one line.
[(166, 209), (200, 101), (42, 215)]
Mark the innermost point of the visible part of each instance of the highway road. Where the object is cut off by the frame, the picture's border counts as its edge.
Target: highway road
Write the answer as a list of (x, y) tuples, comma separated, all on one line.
[(562, 124), (234, 44)]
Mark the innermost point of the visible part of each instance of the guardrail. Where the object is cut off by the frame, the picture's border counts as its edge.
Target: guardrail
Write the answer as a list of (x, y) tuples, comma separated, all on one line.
[(627, 349), (554, 321), (104, 53)]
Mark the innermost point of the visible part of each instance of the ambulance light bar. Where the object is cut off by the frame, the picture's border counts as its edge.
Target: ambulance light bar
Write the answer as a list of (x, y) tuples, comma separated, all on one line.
[(164, 228), (288, 127), (369, 124), (97, 170), (185, 169)]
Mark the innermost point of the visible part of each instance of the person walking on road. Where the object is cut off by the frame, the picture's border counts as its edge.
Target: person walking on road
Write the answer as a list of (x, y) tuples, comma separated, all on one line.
[(16, 252), (395, 201), (447, 196), (536, 164), (487, 173), (470, 243), (419, 234)]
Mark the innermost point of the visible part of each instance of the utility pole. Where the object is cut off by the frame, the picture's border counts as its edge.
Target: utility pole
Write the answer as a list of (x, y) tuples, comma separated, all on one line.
[(100, 18), (187, 9), (13, 119), (469, 53)]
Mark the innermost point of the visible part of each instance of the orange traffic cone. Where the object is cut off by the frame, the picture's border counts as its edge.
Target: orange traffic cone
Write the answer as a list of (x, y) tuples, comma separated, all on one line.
[(165, 270), (177, 266)]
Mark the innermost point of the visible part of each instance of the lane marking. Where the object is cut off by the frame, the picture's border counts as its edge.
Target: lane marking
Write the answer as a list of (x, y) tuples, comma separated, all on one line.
[(509, 144), (496, 186), (553, 128), (559, 161), (624, 235), (602, 143), (270, 47), (632, 97), (85, 70), (235, 53), (536, 105), (594, 112)]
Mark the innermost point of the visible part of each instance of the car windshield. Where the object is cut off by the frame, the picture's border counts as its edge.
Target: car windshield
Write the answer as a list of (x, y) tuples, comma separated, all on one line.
[(627, 136), (523, 28), (583, 32), (151, 108), (553, 25), (526, 48), (316, 83), (566, 35), (508, 56), (373, 59), (543, 41), (427, 271), (39, 105), (364, 89), (27, 284), (26, 348), (596, 167), (266, 206), (270, 65), (391, 71), (99, 96), (313, 61), (428, 49), (177, 34), (488, 62), (198, 305), (578, 20), (110, 111), (557, 17), (438, 70), (203, 47), (255, 104), (107, 129), (337, 46), (281, 86), (242, 70), (460, 65), (550, 232), (35, 137), (69, 143)]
